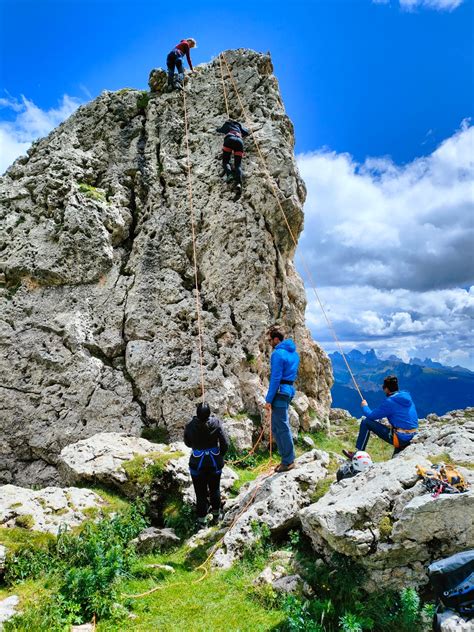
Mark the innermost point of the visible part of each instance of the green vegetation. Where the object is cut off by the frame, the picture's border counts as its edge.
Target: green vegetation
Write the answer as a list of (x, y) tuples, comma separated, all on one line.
[(92, 192), (94, 571), (155, 434), (341, 604), (83, 570), (144, 468), (143, 99), (25, 521), (385, 528)]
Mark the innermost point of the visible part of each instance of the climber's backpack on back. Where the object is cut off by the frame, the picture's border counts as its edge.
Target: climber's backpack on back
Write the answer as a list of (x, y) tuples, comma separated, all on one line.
[(452, 580)]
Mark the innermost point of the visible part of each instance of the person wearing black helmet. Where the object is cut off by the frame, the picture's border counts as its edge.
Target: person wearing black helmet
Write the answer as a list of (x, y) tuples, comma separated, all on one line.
[(208, 441), (233, 144)]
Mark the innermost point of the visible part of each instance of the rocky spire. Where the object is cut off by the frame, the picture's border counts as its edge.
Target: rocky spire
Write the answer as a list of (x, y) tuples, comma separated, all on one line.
[(98, 308)]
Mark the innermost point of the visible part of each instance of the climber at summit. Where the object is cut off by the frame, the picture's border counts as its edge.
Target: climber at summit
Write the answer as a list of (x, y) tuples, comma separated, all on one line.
[(400, 411), (208, 441), (175, 60), (233, 143), (284, 364)]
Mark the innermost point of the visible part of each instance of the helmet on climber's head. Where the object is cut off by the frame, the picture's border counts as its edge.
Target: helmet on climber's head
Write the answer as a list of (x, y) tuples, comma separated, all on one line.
[(203, 411), (192, 42), (361, 461)]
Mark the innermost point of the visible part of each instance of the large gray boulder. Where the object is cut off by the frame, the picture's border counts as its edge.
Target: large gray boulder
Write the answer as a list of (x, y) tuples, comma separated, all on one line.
[(386, 521), (48, 509), (98, 305), (273, 500), (132, 465)]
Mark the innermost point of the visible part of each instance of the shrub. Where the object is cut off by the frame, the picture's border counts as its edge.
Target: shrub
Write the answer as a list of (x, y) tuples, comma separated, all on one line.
[(86, 565)]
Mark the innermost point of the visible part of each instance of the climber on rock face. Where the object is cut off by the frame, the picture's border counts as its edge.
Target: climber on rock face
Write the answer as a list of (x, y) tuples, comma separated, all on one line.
[(174, 60), (209, 443), (233, 143), (401, 413), (284, 364)]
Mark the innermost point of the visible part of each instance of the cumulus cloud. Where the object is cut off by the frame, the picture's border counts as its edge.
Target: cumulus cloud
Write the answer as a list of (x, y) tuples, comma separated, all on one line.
[(391, 248), (28, 123), (392, 226)]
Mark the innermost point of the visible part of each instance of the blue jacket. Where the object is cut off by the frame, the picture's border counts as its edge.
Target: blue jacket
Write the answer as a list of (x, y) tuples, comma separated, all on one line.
[(399, 410), (284, 366)]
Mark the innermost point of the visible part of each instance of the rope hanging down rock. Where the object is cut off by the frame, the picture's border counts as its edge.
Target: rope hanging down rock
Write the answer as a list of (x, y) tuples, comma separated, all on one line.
[(193, 233), (309, 276)]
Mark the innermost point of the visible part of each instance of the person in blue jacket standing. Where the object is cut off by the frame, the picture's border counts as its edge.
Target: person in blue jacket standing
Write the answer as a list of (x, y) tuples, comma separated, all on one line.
[(284, 364), (401, 413)]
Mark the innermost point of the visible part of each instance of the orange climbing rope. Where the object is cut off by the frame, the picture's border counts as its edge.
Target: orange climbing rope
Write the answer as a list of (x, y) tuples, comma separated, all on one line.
[(193, 232), (277, 197)]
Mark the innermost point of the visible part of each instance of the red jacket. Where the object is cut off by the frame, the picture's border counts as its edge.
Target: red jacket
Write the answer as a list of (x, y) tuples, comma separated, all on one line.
[(183, 46)]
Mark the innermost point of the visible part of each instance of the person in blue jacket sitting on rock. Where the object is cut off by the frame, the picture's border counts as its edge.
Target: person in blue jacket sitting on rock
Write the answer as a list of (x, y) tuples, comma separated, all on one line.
[(284, 364), (401, 413)]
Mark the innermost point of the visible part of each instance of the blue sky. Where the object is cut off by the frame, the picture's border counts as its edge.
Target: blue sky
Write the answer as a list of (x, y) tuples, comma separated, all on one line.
[(381, 94)]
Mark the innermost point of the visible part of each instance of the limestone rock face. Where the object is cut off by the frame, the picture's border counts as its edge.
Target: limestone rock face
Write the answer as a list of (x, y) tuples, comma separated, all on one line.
[(98, 306), (47, 509), (274, 500), (386, 521)]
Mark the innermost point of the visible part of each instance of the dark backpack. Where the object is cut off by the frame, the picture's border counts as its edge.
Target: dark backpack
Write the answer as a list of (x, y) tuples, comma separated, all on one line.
[(345, 471), (452, 580)]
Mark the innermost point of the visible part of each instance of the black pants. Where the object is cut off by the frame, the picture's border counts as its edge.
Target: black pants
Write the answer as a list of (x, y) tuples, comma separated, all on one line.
[(173, 61), (233, 145), (207, 488)]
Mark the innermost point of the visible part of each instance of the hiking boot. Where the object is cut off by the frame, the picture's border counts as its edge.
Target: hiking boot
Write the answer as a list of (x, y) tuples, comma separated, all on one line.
[(201, 523), (284, 468), (238, 187), (348, 454), (216, 517)]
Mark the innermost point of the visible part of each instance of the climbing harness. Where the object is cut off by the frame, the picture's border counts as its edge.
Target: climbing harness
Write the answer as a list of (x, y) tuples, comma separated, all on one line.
[(201, 454)]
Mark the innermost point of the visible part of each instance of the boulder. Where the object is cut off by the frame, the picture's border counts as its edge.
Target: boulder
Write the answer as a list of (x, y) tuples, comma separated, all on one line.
[(48, 509), (273, 500), (133, 465), (8, 608), (240, 431), (151, 539), (384, 520), (455, 439)]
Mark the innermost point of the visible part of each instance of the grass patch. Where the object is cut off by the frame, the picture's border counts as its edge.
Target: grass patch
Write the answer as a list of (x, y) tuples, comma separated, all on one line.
[(25, 521), (15, 538), (144, 468), (92, 192)]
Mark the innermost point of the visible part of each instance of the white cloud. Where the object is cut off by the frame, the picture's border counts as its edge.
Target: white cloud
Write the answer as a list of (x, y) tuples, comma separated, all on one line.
[(391, 249), (392, 226), (29, 123), (438, 5)]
